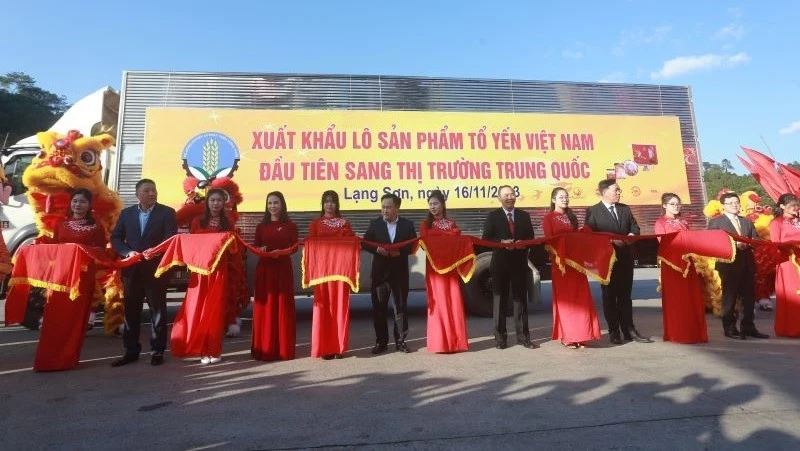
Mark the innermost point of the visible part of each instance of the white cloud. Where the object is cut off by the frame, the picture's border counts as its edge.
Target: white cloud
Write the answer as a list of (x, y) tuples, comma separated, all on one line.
[(572, 54), (686, 64), (732, 31), (794, 127), (614, 77)]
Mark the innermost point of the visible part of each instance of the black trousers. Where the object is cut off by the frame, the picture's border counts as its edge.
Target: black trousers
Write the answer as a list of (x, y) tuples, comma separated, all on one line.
[(737, 280), (138, 285), (502, 280), (617, 303), (398, 289)]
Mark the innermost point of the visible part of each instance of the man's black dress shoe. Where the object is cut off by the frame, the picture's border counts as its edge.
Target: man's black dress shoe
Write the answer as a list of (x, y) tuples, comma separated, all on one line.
[(402, 347), (753, 333), (501, 345), (378, 348), (126, 359), (733, 333), (328, 357), (338, 356), (634, 335), (156, 359), (526, 342), (615, 337)]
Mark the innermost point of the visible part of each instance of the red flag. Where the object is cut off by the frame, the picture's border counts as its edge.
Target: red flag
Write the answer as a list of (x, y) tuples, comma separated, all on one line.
[(763, 169), (792, 177)]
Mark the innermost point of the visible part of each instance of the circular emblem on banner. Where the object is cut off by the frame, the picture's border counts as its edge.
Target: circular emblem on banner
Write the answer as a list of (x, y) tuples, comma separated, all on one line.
[(210, 155)]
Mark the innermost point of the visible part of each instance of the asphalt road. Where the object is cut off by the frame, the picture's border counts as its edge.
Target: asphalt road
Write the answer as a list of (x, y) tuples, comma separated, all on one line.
[(725, 394)]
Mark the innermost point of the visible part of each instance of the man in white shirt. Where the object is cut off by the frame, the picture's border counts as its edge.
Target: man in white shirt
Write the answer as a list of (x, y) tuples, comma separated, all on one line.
[(738, 277), (390, 274)]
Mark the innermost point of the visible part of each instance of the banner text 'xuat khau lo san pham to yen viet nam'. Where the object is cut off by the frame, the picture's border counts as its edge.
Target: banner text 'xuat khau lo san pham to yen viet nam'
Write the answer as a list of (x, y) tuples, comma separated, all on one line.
[(364, 154)]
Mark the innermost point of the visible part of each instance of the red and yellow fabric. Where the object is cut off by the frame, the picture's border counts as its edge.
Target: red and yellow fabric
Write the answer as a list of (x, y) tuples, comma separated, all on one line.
[(588, 253), (199, 253), (67, 272), (677, 249), (447, 253), (5, 258), (331, 258)]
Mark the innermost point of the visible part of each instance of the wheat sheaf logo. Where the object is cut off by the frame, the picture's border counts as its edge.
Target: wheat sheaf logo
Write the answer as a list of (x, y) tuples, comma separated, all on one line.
[(210, 155)]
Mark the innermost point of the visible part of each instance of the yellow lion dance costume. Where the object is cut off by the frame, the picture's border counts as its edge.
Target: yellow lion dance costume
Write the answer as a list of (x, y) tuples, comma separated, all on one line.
[(765, 265), (65, 163)]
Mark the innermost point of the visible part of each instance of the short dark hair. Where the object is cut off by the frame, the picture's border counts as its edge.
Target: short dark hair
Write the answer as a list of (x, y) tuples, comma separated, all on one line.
[(142, 182), (727, 196), (395, 199), (605, 184)]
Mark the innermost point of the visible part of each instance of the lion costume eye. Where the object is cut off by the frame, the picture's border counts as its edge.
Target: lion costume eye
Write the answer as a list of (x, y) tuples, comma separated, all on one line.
[(89, 157)]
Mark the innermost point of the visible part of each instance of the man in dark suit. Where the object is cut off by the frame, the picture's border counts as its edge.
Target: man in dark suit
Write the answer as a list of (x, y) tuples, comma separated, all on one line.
[(139, 228), (609, 215), (509, 266), (390, 272), (738, 277)]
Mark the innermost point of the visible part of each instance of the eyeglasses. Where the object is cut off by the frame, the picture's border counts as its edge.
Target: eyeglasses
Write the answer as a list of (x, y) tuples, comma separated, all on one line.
[(562, 198)]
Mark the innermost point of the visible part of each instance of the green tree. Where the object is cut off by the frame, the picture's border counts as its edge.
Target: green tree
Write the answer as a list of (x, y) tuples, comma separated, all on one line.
[(726, 165), (26, 108), (717, 178)]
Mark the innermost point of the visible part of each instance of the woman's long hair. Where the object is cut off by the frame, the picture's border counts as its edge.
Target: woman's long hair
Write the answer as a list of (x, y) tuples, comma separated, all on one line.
[(436, 194), (283, 216), (88, 196), (567, 211), (224, 222), (335, 196), (785, 199)]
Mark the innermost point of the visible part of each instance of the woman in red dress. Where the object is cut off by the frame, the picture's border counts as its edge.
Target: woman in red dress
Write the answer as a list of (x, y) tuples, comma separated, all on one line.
[(64, 320), (199, 324), (574, 315), (784, 228), (273, 304), (330, 325), (447, 327), (682, 303)]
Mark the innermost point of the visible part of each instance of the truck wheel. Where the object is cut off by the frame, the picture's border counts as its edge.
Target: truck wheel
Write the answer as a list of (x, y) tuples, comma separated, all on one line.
[(478, 292)]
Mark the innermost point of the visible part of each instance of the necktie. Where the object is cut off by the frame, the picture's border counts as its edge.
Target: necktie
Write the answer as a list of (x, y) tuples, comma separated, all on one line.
[(736, 225), (614, 213), (511, 224)]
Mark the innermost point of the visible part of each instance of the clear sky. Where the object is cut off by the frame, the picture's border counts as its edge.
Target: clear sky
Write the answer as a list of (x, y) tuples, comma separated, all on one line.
[(740, 58)]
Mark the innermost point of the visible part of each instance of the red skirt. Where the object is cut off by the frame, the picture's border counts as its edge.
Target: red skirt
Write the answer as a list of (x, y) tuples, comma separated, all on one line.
[(682, 306), (447, 327), (274, 323), (330, 325), (199, 325)]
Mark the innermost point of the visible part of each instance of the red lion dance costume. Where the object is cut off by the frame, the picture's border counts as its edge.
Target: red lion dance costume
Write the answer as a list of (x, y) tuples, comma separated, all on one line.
[(238, 297)]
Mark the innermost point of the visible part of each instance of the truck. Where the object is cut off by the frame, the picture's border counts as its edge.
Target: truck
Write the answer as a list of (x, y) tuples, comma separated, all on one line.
[(89, 115), (317, 97)]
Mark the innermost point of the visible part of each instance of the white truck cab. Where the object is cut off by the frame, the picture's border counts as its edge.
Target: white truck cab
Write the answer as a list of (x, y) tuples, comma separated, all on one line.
[(91, 114)]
